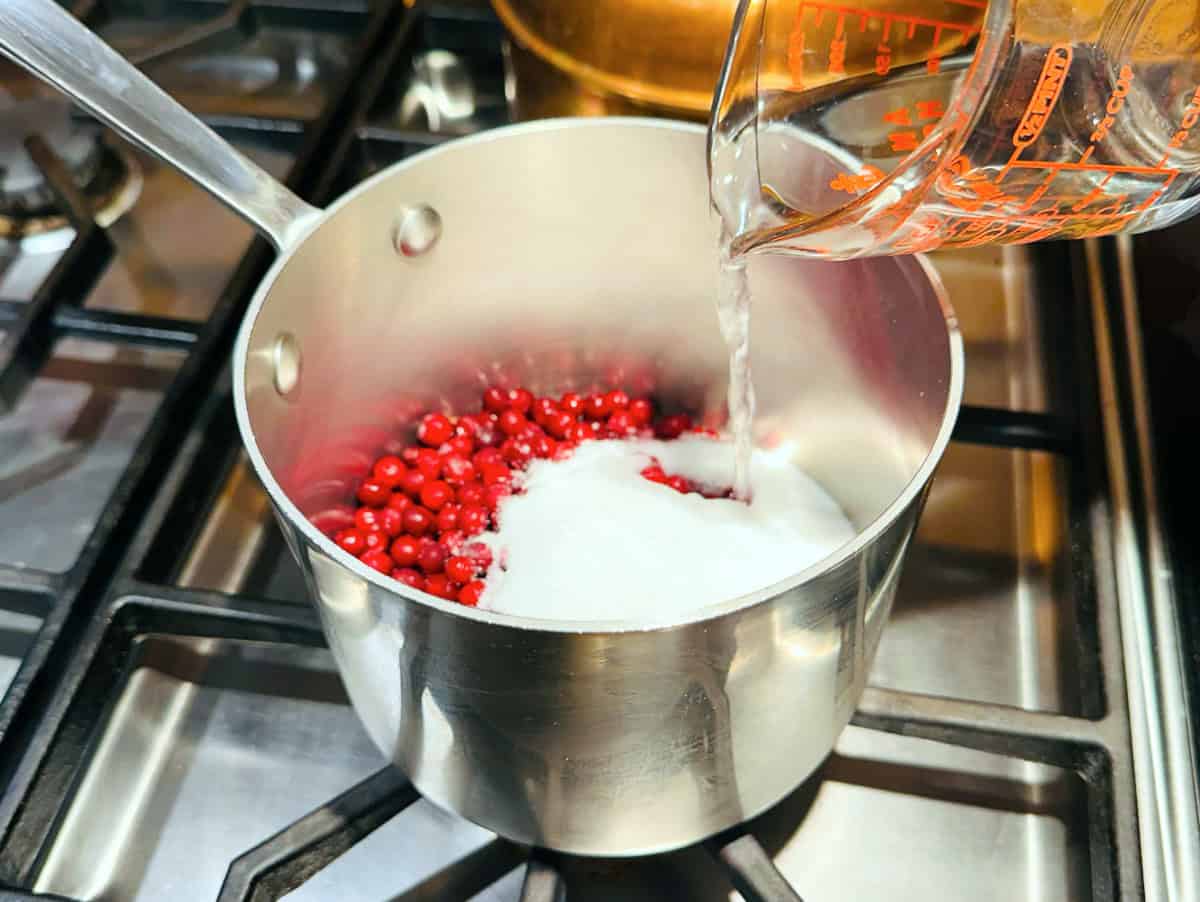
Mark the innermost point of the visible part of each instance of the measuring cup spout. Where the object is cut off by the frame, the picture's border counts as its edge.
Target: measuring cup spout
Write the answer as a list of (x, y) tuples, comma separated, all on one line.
[(45, 39)]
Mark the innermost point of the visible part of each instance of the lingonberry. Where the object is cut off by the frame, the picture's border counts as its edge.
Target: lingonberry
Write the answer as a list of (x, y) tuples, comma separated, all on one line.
[(367, 519), (617, 400), (378, 559), (572, 403), (470, 493), (459, 446), (516, 451), (457, 469), (447, 518), (439, 584), (436, 495), (388, 470), (399, 501), (559, 424), (480, 554), (417, 520), (452, 540), (470, 593), (429, 462), (412, 482), (410, 455), (376, 540), (431, 558), (520, 400), (487, 456), (543, 410), (619, 424), (392, 520), (435, 429), (673, 426), (409, 577), (404, 551), (679, 484), (473, 519), (460, 569), (374, 492), (597, 407), (641, 411), (512, 422), (494, 494), (495, 474), (352, 540), (544, 447), (495, 399)]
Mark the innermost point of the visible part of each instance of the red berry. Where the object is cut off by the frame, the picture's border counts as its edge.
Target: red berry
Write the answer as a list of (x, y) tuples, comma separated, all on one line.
[(674, 426), (559, 424), (377, 559), (473, 520), (543, 410), (641, 411), (429, 462), (404, 551), (436, 495), (545, 447), (410, 455), (520, 400), (412, 482), (459, 446), (435, 429), (655, 473), (480, 555), (460, 569), (512, 422), (458, 469), (679, 484), (333, 521), (352, 540), (579, 432), (471, 493), (487, 456), (497, 493), (617, 400), (495, 400), (409, 577), (417, 520), (452, 540), (439, 584), (481, 426), (367, 519), (620, 424), (597, 406), (388, 470), (431, 558), (374, 492), (399, 501), (377, 540), (516, 451), (572, 403), (470, 594), (447, 518), (392, 520), (495, 474)]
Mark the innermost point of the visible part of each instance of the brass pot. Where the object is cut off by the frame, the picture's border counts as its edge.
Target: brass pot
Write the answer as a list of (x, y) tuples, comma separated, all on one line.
[(605, 57)]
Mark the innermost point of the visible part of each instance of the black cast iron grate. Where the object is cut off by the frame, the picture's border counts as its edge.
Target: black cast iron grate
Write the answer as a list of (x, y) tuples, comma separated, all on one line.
[(122, 584)]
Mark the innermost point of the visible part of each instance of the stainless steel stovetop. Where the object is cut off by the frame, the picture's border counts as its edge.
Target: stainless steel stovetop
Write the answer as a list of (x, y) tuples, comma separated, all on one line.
[(171, 715)]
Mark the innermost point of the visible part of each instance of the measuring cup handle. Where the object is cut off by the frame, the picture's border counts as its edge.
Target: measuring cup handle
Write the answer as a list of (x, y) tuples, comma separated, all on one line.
[(49, 42)]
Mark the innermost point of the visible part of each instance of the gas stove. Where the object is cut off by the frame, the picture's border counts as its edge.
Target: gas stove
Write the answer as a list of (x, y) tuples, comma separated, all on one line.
[(172, 726)]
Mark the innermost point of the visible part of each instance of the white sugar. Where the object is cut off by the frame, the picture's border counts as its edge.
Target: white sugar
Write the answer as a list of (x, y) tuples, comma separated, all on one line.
[(590, 539)]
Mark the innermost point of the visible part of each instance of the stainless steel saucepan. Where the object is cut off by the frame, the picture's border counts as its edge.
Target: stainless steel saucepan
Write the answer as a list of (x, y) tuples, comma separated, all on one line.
[(556, 254)]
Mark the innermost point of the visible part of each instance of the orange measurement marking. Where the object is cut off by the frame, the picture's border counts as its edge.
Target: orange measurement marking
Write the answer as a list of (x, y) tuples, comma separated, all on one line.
[(903, 140), (1037, 192), (1093, 167), (837, 55), (930, 109), (1190, 116), (898, 116), (883, 59), (856, 184), (1092, 195), (933, 65), (912, 28), (887, 28), (1045, 95), (795, 51), (862, 23), (974, 4), (1116, 100), (1087, 154)]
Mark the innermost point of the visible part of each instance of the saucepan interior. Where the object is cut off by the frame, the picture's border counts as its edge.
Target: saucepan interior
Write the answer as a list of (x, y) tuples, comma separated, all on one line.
[(573, 254)]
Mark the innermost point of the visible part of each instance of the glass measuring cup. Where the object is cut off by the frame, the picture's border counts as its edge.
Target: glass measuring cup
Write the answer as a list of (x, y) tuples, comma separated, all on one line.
[(844, 128)]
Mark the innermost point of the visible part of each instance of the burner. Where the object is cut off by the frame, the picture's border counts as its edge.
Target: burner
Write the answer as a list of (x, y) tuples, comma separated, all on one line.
[(109, 177)]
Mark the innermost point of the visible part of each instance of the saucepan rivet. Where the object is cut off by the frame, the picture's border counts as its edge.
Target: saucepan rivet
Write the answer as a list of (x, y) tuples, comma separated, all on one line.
[(417, 230), (285, 355)]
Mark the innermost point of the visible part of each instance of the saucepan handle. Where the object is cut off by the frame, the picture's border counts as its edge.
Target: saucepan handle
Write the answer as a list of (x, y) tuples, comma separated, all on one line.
[(49, 42)]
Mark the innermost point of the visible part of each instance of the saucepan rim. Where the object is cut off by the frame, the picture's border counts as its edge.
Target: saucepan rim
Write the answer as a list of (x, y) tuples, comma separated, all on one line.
[(707, 613)]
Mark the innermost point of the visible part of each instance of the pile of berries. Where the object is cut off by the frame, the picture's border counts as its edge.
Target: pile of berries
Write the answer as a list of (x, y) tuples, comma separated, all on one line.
[(419, 510)]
